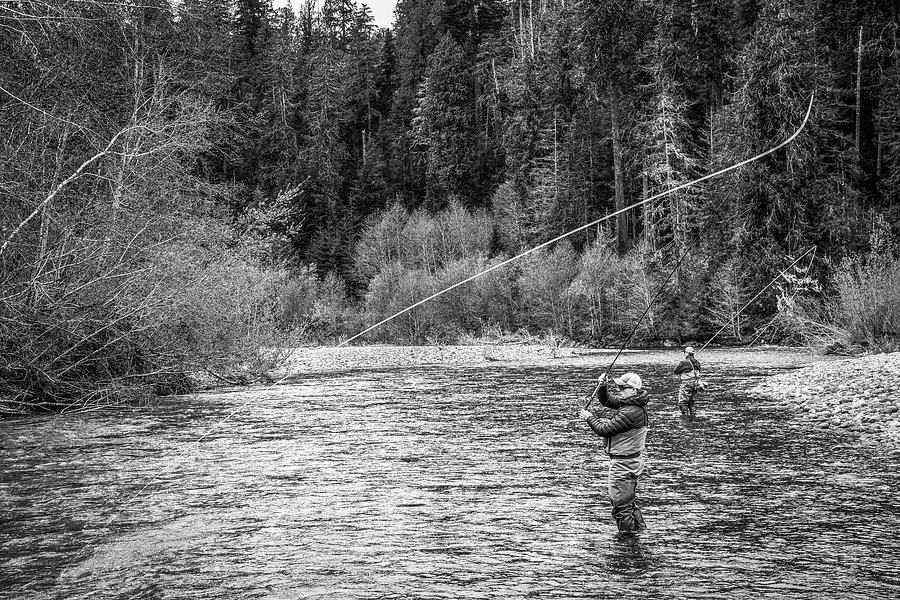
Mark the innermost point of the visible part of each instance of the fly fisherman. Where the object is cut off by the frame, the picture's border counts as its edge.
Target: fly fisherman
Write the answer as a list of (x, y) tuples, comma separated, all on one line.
[(689, 371), (624, 433)]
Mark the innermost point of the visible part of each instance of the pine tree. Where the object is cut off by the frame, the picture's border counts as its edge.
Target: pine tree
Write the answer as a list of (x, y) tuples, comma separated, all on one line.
[(443, 125), (611, 37), (327, 112), (669, 156), (417, 31), (338, 21), (204, 33), (887, 127), (385, 77), (469, 21), (799, 196)]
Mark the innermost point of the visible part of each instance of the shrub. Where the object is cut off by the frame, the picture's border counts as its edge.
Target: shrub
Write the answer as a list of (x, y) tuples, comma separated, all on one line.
[(641, 309), (868, 298), (222, 314), (125, 315), (421, 240), (611, 293), (392, 290), (497, 297), (463, 234), (801, 319), (509, 216), (313, 309), (801, 314), (429, 253), (590, 289), (543, 282), (727, 295), (380, 244), (478, 305), (457, 311)]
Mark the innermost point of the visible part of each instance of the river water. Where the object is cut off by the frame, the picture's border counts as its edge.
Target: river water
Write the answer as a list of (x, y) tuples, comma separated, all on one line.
[(439, 483)]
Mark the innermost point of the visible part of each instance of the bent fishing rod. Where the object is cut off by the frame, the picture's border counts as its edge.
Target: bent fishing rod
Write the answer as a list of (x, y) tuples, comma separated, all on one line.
[(686, 252)]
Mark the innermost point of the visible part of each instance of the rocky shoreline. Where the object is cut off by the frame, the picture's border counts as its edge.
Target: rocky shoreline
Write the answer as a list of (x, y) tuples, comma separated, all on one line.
[(328, 359), (857, 396)]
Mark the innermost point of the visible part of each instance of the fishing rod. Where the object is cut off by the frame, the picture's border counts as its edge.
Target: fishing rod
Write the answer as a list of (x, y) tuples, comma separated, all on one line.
[(643, 314), (655, 296)]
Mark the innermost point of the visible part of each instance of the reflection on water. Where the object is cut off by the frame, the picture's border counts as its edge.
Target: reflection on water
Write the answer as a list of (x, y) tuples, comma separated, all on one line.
[(439, 483)]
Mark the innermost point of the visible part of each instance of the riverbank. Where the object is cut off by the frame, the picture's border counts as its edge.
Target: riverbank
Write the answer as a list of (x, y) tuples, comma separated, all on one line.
[(305, 361), (857, 396)]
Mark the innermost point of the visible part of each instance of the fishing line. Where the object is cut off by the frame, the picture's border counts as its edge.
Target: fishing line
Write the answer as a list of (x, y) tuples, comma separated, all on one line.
[(591, 224), (812, 259), (655, 296), (643, 314), (768, 285)]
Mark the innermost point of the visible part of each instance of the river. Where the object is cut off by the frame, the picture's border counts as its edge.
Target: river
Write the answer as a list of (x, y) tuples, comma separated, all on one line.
[(439, 483)]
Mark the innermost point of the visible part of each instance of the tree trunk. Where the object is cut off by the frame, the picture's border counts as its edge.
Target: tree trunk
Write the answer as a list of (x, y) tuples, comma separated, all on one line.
[(618, 169), (531, 25), (363, 137), (878, 158), (555, 160), (522, 28), (649, 234), (859, 53)]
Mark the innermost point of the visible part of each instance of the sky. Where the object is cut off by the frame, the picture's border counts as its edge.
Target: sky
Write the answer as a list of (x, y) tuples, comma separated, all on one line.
[(382, 10)]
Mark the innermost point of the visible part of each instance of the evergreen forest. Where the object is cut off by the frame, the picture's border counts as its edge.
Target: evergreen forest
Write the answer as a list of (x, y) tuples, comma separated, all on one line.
[(191, 188)]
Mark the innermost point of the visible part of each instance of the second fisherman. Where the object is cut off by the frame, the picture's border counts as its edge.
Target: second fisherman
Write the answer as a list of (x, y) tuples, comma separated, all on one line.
[(691, 384)]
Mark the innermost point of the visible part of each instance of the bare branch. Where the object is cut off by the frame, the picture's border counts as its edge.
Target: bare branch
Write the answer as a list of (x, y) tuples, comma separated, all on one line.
[(75, 175)]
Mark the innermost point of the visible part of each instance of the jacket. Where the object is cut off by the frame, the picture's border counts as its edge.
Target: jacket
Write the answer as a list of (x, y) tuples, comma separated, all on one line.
[(626, 430), (689, 369)]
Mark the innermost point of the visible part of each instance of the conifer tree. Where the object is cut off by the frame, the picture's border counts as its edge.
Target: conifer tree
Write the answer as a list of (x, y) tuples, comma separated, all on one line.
[(669, 156), (443, 125), (612, 35), (887, 127), (780, 199)]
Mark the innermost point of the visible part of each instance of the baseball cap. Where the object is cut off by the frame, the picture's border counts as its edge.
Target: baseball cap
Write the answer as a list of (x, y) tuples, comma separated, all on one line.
[(631, 380)]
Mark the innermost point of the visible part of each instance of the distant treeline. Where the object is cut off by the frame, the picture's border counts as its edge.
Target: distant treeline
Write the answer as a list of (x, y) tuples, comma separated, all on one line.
[(187, 187)]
